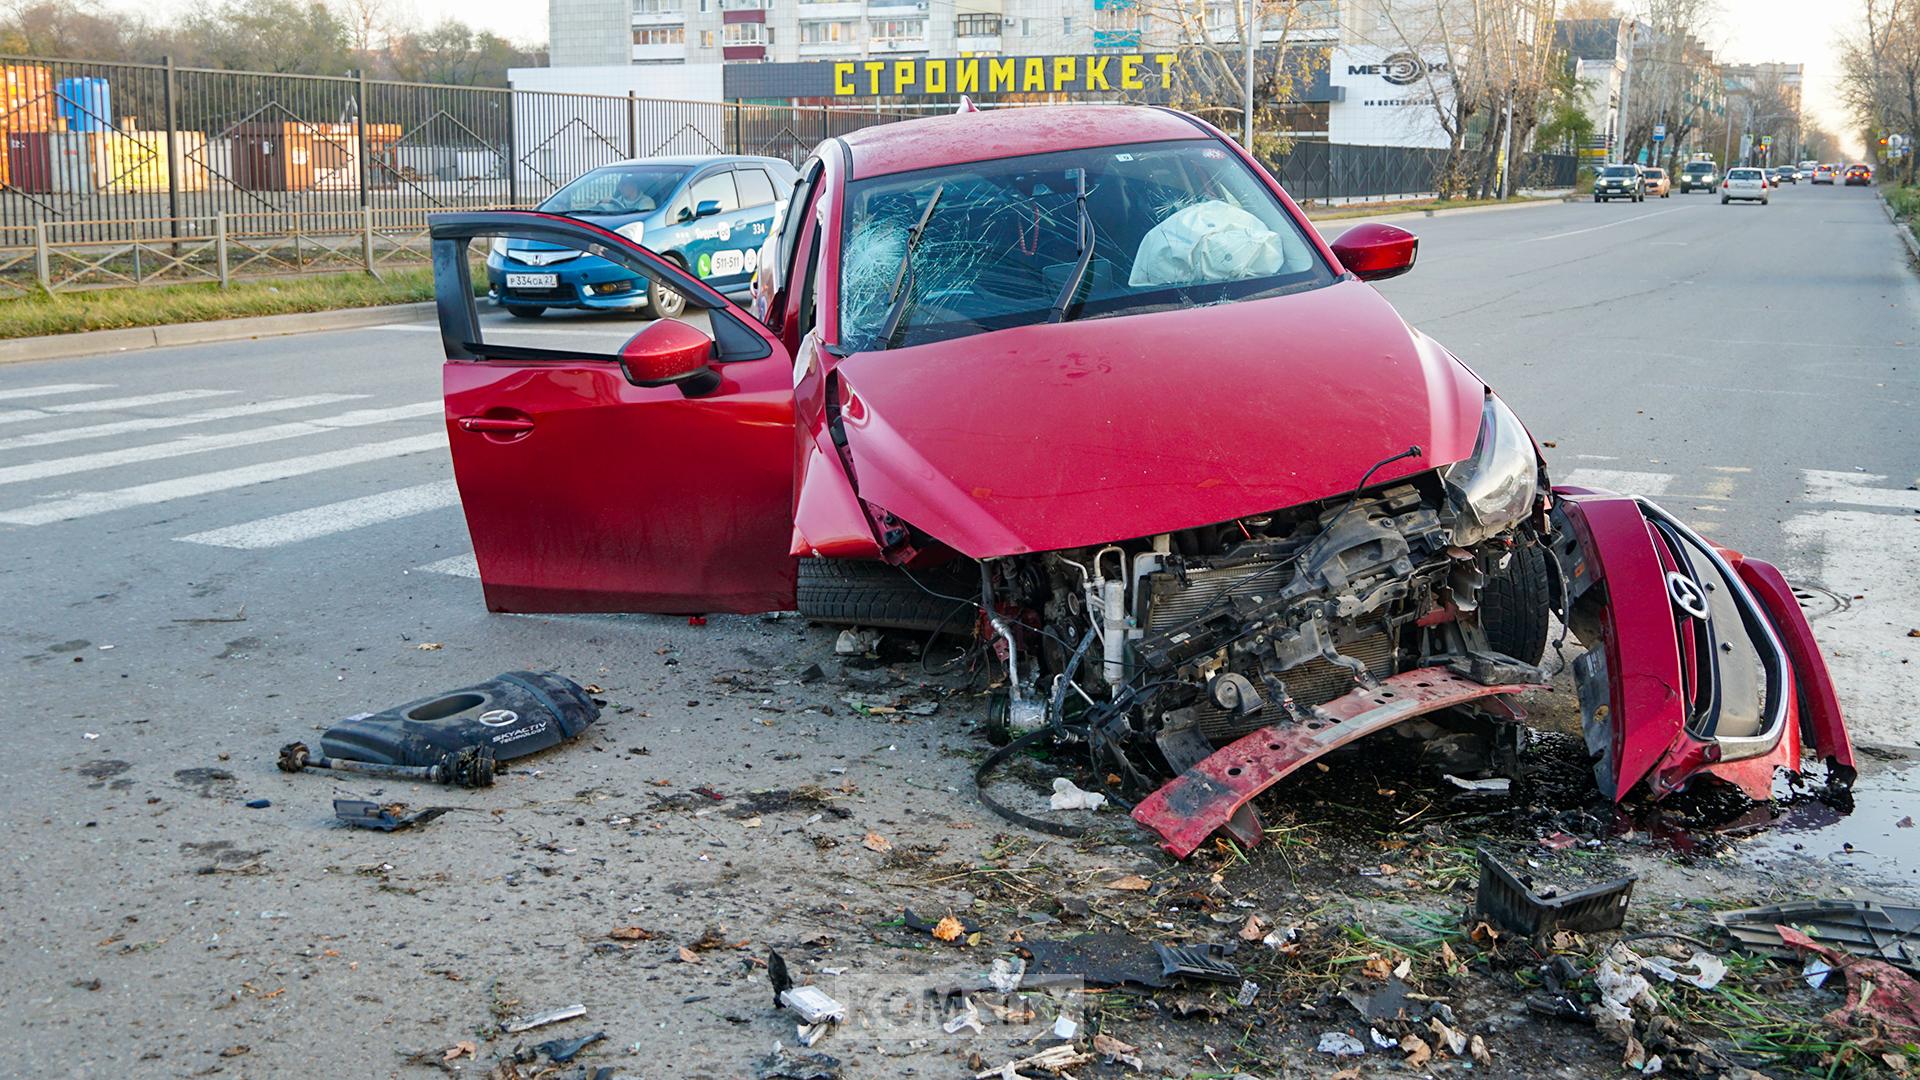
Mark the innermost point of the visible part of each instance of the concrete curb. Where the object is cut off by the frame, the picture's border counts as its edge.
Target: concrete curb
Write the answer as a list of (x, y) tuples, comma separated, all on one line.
[(1906, 234), (132, 339)]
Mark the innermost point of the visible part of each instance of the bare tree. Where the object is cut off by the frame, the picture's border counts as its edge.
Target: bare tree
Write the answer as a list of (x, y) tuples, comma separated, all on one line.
[(1209, 35), (1673, 81), (1880, 72)]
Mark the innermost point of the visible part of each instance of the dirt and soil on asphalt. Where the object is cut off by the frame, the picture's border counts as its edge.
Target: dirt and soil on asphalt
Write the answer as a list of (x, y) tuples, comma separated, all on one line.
[(748, 792)]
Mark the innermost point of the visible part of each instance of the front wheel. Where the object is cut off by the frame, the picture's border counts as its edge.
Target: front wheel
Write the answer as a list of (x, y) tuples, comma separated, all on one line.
[(665, 303), (1596, 198), (1514, 603)]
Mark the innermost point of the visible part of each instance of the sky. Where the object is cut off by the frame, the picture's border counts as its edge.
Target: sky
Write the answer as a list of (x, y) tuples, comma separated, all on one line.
[(1744, 31)]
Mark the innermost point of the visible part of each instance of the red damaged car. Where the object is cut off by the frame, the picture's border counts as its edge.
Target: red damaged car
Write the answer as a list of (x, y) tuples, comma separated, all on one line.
[(1083, 382)]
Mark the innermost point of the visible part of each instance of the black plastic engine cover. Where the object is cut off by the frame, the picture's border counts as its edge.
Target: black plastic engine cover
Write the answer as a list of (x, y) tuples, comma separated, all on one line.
[(514, 714)]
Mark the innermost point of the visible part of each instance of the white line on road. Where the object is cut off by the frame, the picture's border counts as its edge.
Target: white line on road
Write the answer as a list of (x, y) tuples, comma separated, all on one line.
[(51, 389), (1833, 486), (196, 444), (318, 521), (1597, 228), (156, 423), (1648, 484), (88, 503), (109, 404), (459, 566)]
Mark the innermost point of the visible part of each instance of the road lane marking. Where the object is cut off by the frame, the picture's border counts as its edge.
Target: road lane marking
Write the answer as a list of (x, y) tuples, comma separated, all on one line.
[(1857, 489), (1597, 228), (1871, 557), (109, 404), (157, 423), (50, 389), (1651, 485), (198, 444), (465, 566), (89, 503), (317, 521)]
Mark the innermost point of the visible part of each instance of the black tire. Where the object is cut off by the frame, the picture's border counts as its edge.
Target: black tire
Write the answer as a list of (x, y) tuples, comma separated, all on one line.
[(666, 303), (524, 312), (873, 594), (1514, 603)]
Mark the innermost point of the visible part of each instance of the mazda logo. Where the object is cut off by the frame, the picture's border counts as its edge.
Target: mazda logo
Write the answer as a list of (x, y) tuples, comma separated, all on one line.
[(1686, 594), (499, 717), (1403, 69)]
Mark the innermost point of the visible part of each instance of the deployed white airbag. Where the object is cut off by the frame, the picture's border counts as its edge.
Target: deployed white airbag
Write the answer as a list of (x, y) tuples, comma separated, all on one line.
[(1209, 241)]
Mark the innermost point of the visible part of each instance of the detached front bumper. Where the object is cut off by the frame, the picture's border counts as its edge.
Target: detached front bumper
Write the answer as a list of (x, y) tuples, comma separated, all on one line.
[(1699, 660)]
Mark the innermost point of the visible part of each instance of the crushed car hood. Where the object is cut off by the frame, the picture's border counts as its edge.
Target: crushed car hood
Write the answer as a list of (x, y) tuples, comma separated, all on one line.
[(1045, 437)]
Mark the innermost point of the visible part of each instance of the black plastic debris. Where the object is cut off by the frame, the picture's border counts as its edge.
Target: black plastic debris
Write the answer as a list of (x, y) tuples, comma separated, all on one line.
[(923, 925), (510, 715), (362, 814), (1507, 902), (784, 1064), (1196, 962), (1381, 1003), (1120, 960), (1557, 998), (562, 1051), (1889, 932)]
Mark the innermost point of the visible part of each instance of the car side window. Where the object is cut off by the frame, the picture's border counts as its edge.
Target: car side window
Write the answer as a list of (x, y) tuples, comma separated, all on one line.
[(717, 187), (756, 189)]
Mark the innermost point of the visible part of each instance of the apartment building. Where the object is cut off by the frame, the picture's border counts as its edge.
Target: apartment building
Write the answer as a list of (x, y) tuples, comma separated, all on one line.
[(586, 33)]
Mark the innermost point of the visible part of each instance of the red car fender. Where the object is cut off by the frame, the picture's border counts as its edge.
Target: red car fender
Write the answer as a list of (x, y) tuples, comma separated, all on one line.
[(828, 520)]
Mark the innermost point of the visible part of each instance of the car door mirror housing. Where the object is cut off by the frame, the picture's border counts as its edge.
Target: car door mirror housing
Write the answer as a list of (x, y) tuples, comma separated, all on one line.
[(670, 353), (708, 208), (1375, 252)]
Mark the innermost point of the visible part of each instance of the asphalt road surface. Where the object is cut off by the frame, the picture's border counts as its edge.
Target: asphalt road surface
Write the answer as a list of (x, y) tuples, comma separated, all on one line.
[(208, 551)]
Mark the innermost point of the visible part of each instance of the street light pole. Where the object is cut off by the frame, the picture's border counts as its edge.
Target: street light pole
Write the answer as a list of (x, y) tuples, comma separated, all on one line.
[(1252, 34)]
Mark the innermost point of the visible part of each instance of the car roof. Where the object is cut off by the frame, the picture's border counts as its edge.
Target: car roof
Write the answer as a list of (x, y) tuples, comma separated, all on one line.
[(958, 138), (695, 160)]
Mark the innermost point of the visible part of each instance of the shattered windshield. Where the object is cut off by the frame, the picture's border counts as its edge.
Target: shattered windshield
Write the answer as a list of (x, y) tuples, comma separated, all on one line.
[(617, 189), (1174, 224)]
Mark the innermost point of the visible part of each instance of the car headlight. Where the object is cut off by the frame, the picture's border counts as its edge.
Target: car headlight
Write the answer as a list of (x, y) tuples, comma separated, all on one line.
[(632, 230), (1496, 486)]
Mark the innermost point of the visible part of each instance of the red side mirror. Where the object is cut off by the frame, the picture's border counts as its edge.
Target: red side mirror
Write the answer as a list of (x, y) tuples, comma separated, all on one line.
[(670, 352), (1375, 252)]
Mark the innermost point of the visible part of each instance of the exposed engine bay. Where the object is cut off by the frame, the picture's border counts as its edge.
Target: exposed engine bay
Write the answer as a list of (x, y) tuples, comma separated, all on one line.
[(1158, 650)]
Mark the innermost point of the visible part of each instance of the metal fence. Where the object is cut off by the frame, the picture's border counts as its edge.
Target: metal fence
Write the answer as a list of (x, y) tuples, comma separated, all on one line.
[(118, 174), (1323, 171)]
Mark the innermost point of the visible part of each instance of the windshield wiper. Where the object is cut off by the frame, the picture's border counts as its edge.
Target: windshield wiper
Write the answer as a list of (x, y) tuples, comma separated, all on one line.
[(1072, 288), (901, 295)]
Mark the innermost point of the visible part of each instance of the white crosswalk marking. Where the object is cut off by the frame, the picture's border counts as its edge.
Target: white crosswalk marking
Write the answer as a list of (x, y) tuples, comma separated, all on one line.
[(318, 521), (160, 423), (459, 566), (1651, 485), (1826, 485), (195, 444), (86, 504), (50, 389), (1872, 557), (109, 404)]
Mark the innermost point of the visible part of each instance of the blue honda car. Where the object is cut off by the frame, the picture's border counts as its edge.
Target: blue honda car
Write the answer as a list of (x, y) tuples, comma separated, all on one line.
[(708, 213)]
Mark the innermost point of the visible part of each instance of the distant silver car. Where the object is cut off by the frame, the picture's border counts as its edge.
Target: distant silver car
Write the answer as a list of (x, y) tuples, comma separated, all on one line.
[(1746, 183)]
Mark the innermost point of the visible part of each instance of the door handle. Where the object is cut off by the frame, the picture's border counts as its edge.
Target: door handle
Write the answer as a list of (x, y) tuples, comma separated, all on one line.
[(496, 425)]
